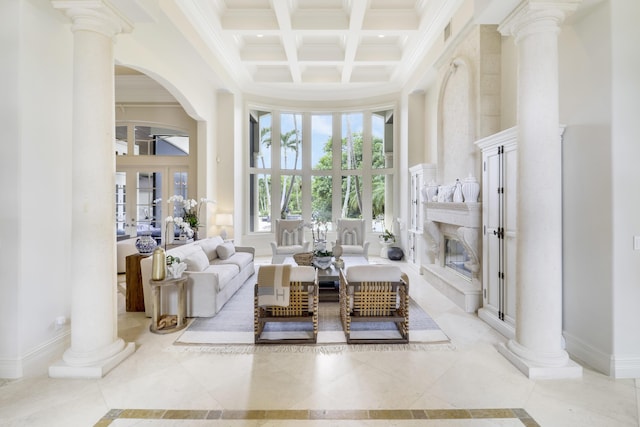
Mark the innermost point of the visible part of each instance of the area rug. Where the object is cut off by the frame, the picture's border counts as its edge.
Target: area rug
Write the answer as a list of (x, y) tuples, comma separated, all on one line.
[(231, 330)]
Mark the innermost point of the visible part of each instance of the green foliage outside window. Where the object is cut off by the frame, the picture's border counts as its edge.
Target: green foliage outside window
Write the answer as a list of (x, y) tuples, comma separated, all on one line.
[(321, 185)]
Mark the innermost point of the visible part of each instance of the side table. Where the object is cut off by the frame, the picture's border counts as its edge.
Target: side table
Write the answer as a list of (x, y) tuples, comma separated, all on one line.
[(156, 290)]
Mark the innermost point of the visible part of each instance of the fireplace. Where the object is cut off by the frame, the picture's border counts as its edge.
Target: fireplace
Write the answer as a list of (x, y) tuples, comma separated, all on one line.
[(452, 233), (456, 258)]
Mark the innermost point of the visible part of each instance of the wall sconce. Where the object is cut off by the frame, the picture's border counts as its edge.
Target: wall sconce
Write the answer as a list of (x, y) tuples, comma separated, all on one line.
[(224, 220)]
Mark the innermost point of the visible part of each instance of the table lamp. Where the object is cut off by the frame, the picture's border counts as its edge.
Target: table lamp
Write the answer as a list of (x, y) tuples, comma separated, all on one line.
[(224, 220)]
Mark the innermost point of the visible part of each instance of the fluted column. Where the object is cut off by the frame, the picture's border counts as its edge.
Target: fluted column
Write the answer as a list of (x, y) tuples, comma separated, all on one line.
[(537, 348), (95, 347)]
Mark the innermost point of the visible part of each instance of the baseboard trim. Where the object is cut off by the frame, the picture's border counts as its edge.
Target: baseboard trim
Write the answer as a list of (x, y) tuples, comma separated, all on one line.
[(625, 366), (37, 361), (587, 354), (616, 366)]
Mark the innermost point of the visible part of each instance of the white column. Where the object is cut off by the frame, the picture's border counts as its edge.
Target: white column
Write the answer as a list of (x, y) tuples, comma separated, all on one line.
[(537, 349), (95, 347)]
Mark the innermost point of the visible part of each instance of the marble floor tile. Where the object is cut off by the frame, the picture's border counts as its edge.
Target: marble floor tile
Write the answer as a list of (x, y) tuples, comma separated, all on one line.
[(466, 384)]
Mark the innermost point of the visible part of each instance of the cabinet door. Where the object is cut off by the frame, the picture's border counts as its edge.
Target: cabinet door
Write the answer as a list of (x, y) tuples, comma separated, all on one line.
[(414, 200), (492, 216)]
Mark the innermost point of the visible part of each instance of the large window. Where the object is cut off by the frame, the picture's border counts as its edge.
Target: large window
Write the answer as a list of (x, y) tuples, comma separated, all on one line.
[(321, 166)]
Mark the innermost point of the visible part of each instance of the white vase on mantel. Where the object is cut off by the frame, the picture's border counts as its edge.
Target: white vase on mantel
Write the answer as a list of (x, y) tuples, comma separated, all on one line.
[(470, 189), (457, 192)]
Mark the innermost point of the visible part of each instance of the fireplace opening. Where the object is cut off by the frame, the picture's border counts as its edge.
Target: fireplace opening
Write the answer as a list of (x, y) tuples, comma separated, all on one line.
[(455, 257)]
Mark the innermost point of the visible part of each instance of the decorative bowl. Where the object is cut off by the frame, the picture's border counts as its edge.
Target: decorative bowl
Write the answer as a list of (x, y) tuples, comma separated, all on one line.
[(322, 262)]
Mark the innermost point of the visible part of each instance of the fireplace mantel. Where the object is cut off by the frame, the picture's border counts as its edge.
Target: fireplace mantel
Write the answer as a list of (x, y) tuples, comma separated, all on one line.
[(460, 214), (462, 222)]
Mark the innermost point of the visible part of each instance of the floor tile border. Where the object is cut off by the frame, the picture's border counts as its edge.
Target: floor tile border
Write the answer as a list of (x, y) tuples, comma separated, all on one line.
[(318, 414)]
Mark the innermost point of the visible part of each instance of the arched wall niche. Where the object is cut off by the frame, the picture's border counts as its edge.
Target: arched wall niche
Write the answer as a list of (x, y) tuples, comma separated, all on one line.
[(457, 154)]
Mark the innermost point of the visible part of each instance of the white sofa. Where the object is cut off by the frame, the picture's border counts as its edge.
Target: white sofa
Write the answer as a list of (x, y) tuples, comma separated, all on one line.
[(216, 270)]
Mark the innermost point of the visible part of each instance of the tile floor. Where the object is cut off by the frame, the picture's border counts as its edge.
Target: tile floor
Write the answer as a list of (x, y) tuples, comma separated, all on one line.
[(470, 385)]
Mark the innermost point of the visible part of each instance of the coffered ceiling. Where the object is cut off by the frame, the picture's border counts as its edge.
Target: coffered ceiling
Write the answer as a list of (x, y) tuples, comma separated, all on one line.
[(316, 49), (311, 47)]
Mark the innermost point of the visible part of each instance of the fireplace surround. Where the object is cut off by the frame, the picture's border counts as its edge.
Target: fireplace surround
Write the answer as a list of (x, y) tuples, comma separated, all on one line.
[(461, 223)]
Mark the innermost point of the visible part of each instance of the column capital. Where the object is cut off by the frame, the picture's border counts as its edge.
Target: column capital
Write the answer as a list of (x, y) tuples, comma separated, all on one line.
[(94, 15), (537, 16)]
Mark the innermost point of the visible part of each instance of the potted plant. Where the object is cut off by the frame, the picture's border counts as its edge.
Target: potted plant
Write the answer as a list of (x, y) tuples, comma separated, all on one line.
[(322, 258), (387, 237)]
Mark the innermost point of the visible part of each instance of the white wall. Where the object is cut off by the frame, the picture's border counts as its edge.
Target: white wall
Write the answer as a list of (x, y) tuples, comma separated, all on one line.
[(10, 243), (599, 99), (585, 107), (625, 156), (509, 83), (36, 165)]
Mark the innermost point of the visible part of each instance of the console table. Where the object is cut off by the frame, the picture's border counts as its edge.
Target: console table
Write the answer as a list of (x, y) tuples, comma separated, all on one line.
[(134, 295), (156, 318)]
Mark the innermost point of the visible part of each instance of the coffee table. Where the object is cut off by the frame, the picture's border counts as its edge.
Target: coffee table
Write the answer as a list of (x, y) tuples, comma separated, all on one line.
[(329, 278)]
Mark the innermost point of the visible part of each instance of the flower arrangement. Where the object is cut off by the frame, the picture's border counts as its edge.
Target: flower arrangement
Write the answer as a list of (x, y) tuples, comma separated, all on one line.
[(191, 209), (322, 253), (181, 224), (318, 229)]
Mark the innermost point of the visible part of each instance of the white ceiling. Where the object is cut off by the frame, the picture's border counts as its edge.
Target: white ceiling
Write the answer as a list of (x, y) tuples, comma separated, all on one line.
[(315, 49), (312, 48)]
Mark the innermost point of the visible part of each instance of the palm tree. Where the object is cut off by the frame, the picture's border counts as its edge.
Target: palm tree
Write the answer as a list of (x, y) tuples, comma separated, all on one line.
[(265, 141), (289, 141), (351, 161)]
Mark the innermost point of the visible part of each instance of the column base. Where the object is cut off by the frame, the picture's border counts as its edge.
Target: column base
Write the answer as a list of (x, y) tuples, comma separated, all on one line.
[(62, 369), (569, 370)]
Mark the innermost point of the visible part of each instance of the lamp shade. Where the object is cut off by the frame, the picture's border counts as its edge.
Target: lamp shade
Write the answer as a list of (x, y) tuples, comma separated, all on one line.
[(224, 220)]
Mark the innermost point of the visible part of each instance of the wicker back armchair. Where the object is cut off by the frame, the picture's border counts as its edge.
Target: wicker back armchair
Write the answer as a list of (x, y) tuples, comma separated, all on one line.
[(302, 306), (374, 293)]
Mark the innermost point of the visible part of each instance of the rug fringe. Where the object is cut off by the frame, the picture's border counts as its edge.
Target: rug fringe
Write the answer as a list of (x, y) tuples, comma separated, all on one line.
[(318, 349)]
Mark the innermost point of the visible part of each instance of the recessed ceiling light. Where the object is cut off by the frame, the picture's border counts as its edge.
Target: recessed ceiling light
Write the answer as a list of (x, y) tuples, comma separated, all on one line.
[(381, 36), (260, 35)]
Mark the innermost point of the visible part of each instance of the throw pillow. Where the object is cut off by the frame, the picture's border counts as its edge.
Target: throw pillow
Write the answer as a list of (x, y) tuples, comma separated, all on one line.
[(209, 246), (225, 250), (196, 261)]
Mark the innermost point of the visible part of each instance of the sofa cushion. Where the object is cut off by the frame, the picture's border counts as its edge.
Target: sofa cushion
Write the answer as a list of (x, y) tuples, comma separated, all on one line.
[(210, 245), (351, 249), (196, 260), (373, 273), (239, 259), (226, 273), (225, 250), (183, 251)]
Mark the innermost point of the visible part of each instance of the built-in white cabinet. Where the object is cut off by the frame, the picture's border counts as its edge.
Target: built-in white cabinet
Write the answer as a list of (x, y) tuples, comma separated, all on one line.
[(421, 175), (499, 170)]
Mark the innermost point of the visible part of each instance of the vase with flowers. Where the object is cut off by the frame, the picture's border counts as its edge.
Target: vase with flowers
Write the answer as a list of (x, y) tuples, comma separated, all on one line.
[(185, 232), (322, 258), (191, 212)]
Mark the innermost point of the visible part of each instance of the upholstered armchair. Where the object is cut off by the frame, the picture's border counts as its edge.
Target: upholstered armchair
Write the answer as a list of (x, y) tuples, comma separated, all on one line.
[(374, 293), (351, 237), (289, 240)]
